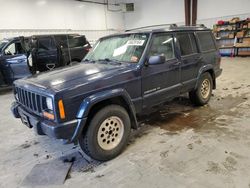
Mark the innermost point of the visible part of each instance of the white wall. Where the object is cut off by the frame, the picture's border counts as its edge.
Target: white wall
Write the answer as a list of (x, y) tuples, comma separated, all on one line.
[(57, 14), (25, 17), (153, 12), (220, 8)]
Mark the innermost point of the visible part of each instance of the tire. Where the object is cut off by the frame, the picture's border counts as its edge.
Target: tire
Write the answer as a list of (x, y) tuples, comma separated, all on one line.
[(107, 133), (202, 94)]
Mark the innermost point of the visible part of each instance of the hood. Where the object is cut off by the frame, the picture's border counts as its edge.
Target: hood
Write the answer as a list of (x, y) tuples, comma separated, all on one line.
[(79, 74)]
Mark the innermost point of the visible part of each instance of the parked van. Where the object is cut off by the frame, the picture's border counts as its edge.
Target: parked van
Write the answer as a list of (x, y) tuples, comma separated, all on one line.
[(24, 56)]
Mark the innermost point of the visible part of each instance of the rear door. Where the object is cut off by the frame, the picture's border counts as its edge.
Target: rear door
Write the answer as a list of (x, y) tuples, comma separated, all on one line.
[(46, 54), (162, 81), (16, 65), (190, 60), (207, 44)]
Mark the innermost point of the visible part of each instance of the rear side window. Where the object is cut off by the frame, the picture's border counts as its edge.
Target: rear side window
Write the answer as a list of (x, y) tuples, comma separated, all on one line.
[(187, 43), (206, 41), (76, 41)]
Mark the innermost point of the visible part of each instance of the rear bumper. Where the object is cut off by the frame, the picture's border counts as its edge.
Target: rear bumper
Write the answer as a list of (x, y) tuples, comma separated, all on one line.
[(218, 73), (68, 131)]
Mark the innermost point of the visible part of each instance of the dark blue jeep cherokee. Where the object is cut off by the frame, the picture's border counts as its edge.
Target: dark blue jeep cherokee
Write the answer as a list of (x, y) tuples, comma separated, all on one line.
[(95, 103)]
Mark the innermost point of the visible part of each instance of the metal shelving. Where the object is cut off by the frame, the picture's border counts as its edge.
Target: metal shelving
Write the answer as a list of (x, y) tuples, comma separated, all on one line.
[(233, 38)]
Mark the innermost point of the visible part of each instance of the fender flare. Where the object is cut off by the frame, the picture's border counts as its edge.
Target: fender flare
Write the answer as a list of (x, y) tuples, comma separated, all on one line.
[(203, 69), (90, 101)]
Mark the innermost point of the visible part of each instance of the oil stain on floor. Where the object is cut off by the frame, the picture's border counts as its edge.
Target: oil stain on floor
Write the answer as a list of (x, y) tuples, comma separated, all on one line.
[(180, 114)]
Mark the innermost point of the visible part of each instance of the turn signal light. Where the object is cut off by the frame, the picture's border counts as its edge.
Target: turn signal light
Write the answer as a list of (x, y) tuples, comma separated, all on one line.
[(61, 109), (48, 115)]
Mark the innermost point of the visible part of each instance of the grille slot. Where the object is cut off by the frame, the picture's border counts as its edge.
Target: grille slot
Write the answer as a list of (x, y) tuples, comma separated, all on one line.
[(32, 101)]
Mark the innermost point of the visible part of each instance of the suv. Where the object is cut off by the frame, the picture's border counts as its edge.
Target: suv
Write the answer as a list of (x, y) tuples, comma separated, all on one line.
[(23, 56), (96, 103)]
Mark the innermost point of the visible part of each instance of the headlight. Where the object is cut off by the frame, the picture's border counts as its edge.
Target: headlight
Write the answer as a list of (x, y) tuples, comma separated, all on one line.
[(16, 96), (30, 61), (49, 103)]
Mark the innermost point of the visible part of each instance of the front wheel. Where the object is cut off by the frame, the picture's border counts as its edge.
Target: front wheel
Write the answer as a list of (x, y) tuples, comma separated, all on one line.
[(202, 94), (107, 133)]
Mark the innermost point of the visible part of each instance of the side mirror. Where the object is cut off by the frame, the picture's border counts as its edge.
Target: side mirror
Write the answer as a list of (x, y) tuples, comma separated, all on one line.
[(155, 60)]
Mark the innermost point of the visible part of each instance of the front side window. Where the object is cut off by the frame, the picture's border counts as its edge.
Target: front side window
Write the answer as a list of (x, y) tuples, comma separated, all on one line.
[(10, 50), (162, 44), (122, 48), (206, 41), (187, 43)]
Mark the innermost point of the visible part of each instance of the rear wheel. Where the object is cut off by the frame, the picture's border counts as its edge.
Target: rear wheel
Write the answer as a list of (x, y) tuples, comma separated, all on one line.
[(107, 133), (202, 94)]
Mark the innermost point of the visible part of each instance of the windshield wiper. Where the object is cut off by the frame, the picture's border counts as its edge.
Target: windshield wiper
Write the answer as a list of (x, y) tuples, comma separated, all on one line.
[(110, 61), (88, 60)]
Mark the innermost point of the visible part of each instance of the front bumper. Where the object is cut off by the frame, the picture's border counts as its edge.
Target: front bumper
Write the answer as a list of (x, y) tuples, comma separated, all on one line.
[(68, 131)]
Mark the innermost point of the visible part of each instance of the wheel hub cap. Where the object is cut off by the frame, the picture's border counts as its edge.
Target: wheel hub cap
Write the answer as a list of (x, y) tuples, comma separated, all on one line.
[(110, 133), (205, 88)]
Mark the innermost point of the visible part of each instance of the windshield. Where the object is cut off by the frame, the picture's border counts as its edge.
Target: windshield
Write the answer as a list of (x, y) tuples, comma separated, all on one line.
[(122, 48), (2, 44)]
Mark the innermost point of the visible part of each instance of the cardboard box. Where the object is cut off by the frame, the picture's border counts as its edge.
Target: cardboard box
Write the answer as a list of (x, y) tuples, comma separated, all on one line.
[(243, 44), (240, 34), (234, 20), (244, 53), (231, 36), (245, 26), (246, 40)]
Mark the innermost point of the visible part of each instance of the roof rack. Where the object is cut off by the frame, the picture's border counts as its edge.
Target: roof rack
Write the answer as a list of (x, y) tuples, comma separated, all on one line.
[(170, 26), (193, 26), (153, 26)]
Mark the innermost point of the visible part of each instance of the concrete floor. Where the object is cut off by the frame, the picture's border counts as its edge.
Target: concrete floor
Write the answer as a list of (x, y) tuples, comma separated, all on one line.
[(180, 146)]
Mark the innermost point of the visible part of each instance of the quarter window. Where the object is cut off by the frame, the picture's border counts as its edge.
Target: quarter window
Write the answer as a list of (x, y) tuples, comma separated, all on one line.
[(187, 43), (206, 41), (162, 45)]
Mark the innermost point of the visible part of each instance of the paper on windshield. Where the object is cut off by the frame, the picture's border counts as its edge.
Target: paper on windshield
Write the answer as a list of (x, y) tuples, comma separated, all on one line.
[(122, 50), (135, 42)]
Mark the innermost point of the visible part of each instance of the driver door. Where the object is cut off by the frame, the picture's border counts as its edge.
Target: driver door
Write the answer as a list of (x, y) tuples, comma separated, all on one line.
[(160, 82), (16, 65)]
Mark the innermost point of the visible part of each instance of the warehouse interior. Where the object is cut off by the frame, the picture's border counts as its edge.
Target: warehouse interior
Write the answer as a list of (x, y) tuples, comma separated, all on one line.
[(177, 145)]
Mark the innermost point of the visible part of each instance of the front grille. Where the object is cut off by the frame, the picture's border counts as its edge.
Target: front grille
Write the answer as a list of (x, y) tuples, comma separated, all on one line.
[(30, 100)]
